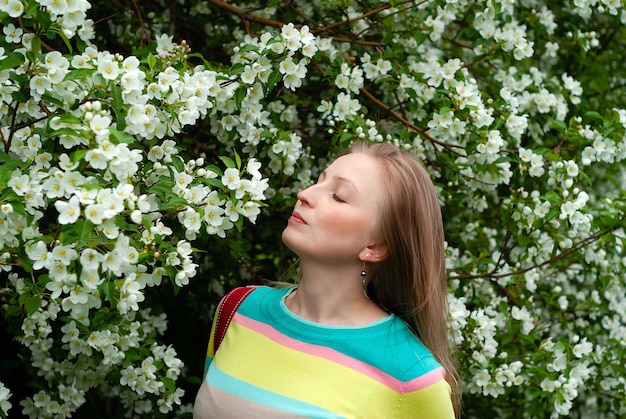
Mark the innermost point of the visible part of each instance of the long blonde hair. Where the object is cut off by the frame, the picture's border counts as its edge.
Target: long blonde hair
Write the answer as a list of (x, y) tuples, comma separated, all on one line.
[(411, 281)]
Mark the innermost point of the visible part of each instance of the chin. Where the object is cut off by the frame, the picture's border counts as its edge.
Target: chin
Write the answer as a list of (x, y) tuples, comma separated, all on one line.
[(289, 241), (285, 237)]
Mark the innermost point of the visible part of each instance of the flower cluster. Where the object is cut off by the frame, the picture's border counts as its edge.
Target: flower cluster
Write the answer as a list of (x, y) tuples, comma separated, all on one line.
[(262, 61), (5, 395), (71, 17), (103, 205)]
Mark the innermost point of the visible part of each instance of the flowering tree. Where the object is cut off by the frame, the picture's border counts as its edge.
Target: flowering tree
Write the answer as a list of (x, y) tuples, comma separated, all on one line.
[(130, 155)]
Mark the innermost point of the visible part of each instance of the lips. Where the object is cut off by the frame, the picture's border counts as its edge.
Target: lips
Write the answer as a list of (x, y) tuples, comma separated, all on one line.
[(297, 218)]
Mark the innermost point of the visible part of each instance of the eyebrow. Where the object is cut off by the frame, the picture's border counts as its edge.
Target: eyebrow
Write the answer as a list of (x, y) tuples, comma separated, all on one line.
[(341, 179)]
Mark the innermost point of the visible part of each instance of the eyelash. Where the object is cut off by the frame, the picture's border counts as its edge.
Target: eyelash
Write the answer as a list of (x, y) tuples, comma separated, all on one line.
[(334, 196)]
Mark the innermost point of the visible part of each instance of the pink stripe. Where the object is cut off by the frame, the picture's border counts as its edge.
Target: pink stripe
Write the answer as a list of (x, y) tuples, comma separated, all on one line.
[(428, 379), (332, 355)]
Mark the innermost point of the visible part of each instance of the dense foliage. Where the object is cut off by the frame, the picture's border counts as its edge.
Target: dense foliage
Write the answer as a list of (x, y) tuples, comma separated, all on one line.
[(152, 151)]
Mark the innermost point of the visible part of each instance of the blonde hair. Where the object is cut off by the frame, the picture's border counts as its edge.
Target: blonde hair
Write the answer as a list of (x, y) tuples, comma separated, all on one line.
[(411, 281)]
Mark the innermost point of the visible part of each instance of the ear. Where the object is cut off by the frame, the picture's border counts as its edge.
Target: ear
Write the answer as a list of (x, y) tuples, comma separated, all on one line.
[(376, 252)]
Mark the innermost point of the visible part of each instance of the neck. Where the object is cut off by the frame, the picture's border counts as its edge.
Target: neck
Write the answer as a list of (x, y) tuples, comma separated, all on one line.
[(333, 296)]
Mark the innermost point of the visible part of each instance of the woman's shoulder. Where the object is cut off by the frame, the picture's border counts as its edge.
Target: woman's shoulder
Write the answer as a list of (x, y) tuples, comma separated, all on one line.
[(262, 295), (261, 291), (409, 351)]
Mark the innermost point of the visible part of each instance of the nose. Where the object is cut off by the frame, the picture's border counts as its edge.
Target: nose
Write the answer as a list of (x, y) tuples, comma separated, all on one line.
[(305, 196)]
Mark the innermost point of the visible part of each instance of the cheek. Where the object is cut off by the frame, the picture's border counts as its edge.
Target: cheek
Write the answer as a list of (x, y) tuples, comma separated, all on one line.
[(348, 225)]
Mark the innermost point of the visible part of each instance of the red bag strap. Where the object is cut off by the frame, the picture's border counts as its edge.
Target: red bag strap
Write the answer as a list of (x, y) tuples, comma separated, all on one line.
[(229, 305)]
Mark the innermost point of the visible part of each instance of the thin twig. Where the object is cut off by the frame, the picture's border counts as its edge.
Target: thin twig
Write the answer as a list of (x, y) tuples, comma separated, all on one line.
[(245, 16), (408, 123), (354, 19), (248, 17), (562, 255), (144, 33)]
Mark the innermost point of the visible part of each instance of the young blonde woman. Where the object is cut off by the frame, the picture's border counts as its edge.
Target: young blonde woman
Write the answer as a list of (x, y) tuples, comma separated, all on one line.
[(364, 334)]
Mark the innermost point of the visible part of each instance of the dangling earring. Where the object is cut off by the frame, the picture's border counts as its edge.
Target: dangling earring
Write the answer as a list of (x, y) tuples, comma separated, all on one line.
[(363, 275)]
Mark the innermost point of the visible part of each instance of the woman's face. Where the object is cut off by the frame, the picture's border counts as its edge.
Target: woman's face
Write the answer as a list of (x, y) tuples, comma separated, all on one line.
[(334, 220)]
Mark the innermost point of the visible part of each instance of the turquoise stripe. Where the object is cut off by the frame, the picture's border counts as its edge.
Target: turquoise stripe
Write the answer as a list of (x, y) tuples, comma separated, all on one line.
[(229, 384), (207, 363), (387, 344)]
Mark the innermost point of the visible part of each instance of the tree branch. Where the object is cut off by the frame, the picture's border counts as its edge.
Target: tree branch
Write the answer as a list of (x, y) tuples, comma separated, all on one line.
[(408, 123), (245, 16), (357, 18), (248, 17), (562, 255), (144, 33)]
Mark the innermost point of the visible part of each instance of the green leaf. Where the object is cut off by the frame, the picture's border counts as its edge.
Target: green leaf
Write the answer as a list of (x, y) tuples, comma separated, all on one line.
[(35, 45), (19, 97), (78, 155), (121, 136), (108, 290), (585, 178), (65, 131), (420, 37), (240, 95), (172, 201), (594, 114), (31, 8), (228, 162), (65, 39), (169, 383), (79, 73), (553, 197), (42, 280), (193, 380), (32, 304), (558, 125), (12, 311), (215, 182), (118, 102), (5, 157), (67, 118), (237, 68), (273, 78), (215, 169), (83, 231), (120, 221), (43, 17), (100, 93), (6, 170), (345, 139), (13, 60), (24, 260), (239, 223), (179, 164), (497, 7), (47, 98), (132, 355), (19, 208), (248, 47)]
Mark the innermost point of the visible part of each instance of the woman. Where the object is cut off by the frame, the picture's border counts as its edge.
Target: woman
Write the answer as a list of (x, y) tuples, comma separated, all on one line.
[(365, 333)]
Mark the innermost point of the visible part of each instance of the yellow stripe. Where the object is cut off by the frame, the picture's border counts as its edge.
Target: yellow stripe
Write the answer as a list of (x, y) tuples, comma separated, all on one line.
[(282, 370), (209, 349), (432, 402)]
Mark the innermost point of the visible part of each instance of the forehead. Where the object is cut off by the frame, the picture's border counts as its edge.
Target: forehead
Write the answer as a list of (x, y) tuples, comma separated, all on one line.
[(361, 170)]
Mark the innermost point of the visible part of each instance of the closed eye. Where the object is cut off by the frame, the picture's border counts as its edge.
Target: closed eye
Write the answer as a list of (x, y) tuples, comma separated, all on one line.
[(336, 198)]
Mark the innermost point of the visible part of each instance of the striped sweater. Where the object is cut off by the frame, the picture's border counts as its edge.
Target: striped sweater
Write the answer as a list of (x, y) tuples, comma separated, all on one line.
[(275, 364)]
